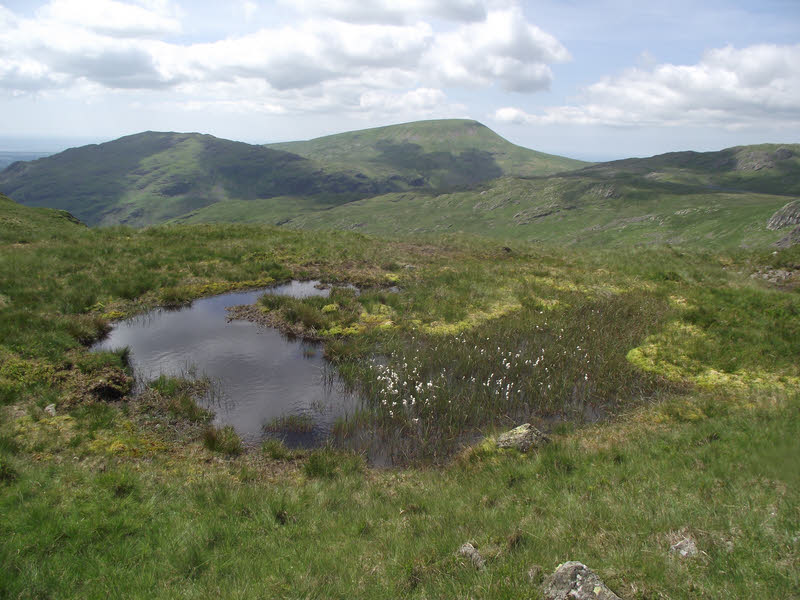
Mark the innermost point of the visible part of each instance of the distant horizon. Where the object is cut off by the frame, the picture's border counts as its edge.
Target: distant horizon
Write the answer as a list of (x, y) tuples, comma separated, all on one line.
[(54, 145)]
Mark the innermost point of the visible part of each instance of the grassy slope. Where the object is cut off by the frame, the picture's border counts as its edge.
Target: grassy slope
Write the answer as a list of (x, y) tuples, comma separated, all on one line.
[(152, 177), (106, 499), (575, 209), (763, 168), (20, 224), (442, 153)]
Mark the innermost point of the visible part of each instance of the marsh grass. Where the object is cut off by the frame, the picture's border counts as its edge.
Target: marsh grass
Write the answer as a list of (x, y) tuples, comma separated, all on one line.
[(290, 424), (117, 498), (223, 439)]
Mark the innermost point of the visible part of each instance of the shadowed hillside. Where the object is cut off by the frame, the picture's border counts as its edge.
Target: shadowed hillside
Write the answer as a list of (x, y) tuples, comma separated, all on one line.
[(151, 177)]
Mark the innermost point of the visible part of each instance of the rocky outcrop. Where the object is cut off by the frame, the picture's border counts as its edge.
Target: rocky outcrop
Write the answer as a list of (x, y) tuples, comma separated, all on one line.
[(756, 160), (575, 581), (789, 240), (469, 551), (778, 276), (522, 438), (785, 217)]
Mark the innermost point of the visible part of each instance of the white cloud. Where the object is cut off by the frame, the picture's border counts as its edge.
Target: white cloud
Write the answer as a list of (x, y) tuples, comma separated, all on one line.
[(112, 17), (392, 11), (314, 65), (733, 88), (419, 100), (504, 49)]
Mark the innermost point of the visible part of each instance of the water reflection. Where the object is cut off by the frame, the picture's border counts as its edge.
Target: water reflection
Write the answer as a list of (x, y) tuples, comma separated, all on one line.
[(260, 374)]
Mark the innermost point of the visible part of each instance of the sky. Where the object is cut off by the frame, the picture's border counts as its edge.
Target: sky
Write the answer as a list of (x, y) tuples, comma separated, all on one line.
[(590, 79)]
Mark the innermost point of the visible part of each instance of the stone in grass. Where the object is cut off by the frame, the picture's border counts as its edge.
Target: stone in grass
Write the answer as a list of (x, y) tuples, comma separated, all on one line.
[(50, 409), (522, 438), (575, 581), (686, 548), (469, 551)]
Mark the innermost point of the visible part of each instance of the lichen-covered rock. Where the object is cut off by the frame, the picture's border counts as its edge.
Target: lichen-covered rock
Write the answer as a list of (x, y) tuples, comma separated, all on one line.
[(789, 240), (575, 581), (786, 216), (470, 552), (685, 548), (522, 438)]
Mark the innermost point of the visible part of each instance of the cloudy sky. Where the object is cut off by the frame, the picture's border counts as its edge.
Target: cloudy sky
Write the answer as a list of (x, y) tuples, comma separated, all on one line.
[(594, 79)]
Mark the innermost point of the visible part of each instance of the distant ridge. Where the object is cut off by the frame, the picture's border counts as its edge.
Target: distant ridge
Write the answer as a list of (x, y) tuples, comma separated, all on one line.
[(427, 148), (765, 168), (711, 199), (155, 177)]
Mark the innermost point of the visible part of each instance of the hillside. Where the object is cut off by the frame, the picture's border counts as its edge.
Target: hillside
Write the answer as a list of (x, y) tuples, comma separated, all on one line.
[(21, 224), (764, 168), (440, 153), (574, 209), (8, 157), (151, 177)]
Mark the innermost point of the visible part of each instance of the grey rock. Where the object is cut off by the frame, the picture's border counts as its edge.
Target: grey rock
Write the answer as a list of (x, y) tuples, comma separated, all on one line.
[(50, 409), (469, 551), (522, 438), (575, 581), (686, 548), (789, 240), (785, 216)]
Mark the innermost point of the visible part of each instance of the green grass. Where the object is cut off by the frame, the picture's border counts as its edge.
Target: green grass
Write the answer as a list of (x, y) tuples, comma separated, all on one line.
[(695, 362), (576, 210), (153, 177), (435, 154)]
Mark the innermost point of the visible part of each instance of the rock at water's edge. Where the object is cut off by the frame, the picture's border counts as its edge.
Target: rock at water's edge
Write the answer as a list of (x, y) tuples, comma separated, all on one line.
[(575, 581), (522, 438)]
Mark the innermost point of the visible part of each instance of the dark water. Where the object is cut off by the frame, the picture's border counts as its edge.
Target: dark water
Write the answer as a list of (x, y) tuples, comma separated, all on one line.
[(259, 374)]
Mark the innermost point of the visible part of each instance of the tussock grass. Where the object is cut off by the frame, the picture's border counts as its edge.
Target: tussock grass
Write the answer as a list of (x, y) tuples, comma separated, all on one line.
[(124, 497), (223, 440)]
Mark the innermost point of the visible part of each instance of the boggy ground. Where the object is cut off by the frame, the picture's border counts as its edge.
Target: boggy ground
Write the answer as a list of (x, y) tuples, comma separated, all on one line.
[(694, 362)]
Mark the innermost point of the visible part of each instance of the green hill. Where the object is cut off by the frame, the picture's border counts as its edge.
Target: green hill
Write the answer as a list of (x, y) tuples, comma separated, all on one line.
[(152, 177), (573, 209), (22, 224), (765, 168), (437, 154)]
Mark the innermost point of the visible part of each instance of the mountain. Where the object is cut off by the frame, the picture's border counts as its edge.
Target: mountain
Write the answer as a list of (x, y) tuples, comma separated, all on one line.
[(441, 153), (151, 177), (155, 177), (715, 199)]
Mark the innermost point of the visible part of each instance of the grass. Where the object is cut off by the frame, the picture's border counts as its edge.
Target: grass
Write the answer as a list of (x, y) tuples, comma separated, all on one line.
[(223, 440), (137, 496), (580, 209)]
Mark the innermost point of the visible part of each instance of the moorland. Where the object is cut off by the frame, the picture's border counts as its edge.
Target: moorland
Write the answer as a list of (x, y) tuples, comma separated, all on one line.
[(647, 323)]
